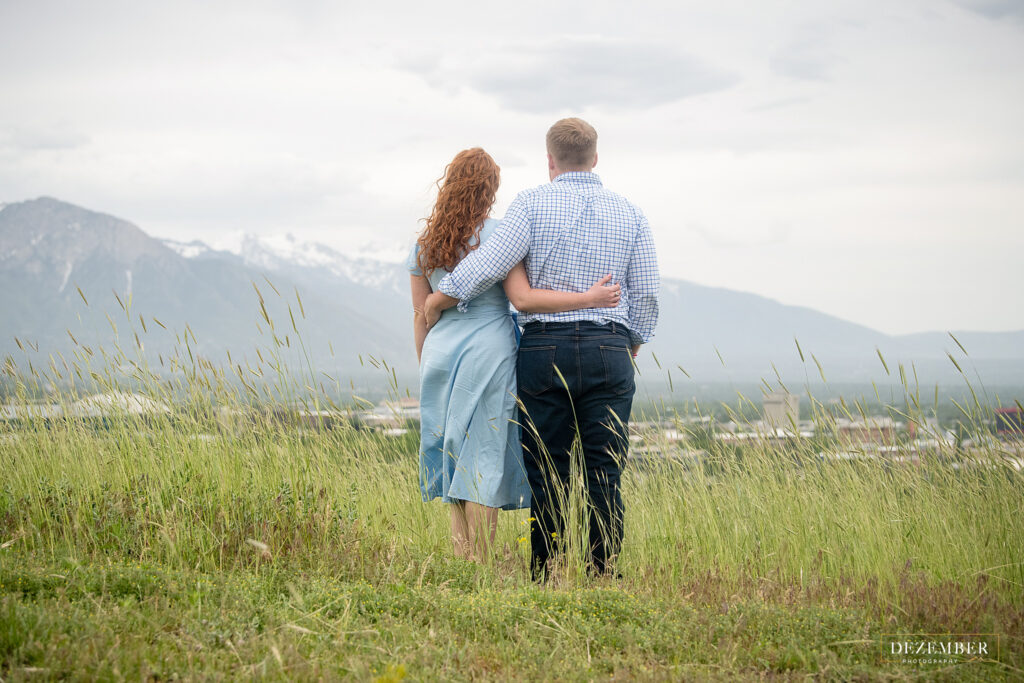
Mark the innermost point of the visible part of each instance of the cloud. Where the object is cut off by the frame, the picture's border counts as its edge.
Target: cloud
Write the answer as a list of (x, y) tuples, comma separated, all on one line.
[(995, 9), (575, 74), (808, 55), (768, 236), (779, 104), (38, 139)]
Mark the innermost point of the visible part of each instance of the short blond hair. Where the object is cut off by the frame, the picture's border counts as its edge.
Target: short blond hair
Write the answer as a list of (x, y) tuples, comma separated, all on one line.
[(572, 142)]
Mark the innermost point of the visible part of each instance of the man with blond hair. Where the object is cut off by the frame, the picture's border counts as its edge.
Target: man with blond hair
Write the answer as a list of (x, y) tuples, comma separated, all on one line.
[(575, 369)]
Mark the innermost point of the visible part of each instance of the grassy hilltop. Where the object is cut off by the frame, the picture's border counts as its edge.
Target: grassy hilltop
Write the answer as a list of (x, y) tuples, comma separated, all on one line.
[(234, 537)]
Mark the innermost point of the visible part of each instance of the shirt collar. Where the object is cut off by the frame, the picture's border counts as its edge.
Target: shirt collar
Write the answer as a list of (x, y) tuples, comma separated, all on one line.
[(578, 177)]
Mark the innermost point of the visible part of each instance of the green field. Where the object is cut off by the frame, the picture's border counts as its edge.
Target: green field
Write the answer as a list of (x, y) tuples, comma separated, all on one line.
[(182, 546), (233, 537)]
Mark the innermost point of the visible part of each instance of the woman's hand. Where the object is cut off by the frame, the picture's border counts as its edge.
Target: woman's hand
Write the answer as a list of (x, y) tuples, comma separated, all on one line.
[(602, 295), (436, 304), (432, 310)]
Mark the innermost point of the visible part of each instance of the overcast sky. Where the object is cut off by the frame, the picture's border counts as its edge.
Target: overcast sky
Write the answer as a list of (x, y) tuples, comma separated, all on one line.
[(862, 158)]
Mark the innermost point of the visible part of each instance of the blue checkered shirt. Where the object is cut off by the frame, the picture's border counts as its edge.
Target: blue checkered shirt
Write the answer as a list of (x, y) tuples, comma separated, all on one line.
[(571, 232)]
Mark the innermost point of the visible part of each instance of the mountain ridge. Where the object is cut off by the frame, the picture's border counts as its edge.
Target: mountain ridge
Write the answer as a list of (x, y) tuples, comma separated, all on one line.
[(357, 306)]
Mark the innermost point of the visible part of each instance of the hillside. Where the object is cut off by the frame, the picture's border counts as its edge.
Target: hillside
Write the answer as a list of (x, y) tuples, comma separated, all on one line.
[(357, 308)]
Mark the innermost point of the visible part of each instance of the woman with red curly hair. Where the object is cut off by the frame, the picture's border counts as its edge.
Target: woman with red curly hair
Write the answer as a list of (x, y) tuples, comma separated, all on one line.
[(470, 453)]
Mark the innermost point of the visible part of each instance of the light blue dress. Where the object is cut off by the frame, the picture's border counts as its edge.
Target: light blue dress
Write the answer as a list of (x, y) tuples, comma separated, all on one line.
[(469, 436)]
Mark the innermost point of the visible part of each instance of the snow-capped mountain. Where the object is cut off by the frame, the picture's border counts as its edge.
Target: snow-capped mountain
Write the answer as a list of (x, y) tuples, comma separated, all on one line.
[(191, 249), (373, 268), (357, 303), (51, 250)]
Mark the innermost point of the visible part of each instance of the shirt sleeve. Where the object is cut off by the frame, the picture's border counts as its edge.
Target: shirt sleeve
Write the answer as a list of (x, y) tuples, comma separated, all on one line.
[(491, 262), (410, 262), (642, 283)]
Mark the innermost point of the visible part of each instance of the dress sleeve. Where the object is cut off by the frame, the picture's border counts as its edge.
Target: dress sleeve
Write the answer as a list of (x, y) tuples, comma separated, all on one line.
[(410, 262)]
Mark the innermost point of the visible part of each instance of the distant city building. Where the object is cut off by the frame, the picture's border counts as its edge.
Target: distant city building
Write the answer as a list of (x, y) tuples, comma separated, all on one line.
[(117, 402), (94, 406), (1010, 422), (922, 429), (873, 430), (781, 409), (393, 414)]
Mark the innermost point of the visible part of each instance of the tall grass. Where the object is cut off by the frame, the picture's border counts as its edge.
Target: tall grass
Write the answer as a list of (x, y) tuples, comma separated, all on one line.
[(260, 469), (248, 452)]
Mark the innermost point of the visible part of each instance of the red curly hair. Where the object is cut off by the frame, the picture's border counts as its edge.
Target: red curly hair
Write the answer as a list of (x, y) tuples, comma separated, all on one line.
[(465, 194)]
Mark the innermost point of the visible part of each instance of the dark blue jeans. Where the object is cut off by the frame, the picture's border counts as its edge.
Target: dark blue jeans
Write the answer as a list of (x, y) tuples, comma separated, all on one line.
[(575, 380)]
